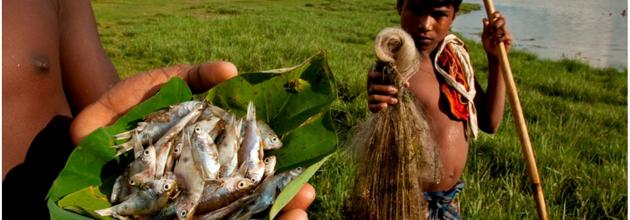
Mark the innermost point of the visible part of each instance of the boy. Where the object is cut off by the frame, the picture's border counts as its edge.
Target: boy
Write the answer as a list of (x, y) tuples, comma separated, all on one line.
[(445, 89)]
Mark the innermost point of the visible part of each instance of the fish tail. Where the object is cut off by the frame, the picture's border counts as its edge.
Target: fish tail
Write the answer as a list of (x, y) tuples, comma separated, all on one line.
[(123, 135), (105, 212), (126, 145), (216, 111), (251, 111), (122, 148), (234, 126), (131, 133)]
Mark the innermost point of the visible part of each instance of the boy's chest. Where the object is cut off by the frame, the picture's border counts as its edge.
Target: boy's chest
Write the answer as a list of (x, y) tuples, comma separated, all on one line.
[(426, 87)]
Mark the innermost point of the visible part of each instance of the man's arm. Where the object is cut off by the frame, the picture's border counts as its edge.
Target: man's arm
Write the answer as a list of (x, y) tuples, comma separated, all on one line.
[(491, 103), (87, 72)]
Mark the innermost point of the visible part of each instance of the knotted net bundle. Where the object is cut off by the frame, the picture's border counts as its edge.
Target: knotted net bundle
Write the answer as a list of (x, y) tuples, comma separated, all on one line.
[(394, 151)]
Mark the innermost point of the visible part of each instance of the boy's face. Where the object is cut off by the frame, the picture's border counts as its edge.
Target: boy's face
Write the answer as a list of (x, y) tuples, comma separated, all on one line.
[(426, 22)]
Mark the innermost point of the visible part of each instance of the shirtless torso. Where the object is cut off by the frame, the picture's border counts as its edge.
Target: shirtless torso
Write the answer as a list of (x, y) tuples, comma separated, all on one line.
[(53, 64), (449, 134)]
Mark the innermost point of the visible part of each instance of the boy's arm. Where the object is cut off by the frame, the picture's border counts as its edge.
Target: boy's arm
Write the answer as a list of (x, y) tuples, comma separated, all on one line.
[(491, 103)]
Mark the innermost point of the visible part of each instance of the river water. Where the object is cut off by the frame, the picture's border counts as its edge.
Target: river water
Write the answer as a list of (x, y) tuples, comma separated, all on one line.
[(594, 31)]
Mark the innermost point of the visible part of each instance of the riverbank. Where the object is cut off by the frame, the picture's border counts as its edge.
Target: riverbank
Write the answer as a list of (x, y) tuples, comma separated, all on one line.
[(595, 32), (576, 114)]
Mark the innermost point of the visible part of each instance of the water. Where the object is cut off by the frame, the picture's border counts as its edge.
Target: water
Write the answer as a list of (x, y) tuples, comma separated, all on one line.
[(594, 31)]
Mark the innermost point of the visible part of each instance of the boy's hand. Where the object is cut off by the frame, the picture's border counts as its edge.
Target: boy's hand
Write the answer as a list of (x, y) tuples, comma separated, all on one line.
[(495, 33), (380, 92)]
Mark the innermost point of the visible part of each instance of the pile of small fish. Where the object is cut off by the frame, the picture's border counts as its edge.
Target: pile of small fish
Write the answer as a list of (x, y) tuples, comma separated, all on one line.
[(204, 164)]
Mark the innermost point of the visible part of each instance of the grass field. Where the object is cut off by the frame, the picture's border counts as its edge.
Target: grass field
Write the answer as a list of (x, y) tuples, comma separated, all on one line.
[(577, 115)]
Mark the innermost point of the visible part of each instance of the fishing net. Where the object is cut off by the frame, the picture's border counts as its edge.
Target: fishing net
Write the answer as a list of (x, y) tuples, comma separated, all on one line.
[(394, 151)]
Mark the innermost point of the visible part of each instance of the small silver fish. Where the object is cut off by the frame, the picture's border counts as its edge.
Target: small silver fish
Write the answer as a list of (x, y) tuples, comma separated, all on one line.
[(288, 176), (180, 125), (224, 212), (148, 159), (228, 148), (190, 179), (145, 163), (266, 193), (144, 202), (251, 153), (270, 139), (174, 156), (162, 159), (222, 192), (155, 126), (204, 150), (270, 165), (121, 189), (140, 180)]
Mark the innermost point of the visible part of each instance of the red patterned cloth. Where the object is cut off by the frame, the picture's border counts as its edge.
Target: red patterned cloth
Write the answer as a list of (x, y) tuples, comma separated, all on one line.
[(457, 103)]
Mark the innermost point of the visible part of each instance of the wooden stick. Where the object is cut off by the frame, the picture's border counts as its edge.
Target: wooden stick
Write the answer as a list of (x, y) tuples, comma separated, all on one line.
[(521, 128)]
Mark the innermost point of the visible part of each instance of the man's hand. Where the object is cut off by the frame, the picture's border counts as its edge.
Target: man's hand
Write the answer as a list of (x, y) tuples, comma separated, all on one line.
[(495, 33), (130, 92), (381, 92)]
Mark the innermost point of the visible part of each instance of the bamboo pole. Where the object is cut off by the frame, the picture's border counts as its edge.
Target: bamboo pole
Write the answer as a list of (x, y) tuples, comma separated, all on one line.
[(521, 128)]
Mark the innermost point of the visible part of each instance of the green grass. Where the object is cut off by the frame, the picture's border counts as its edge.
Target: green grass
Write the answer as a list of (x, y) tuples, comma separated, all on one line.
[(576, 115)]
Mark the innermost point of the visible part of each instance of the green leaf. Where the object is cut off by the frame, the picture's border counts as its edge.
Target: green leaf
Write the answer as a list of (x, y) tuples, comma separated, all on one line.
[(57, 213), (294, 186), (312, 141), (294, 101), (284, 98), (89, 199)]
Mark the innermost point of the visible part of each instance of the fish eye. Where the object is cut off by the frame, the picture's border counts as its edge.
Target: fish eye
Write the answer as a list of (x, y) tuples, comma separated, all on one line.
[(183, 213), (274, 139), (132, 182), (241, 184), (146, 152), (299, 169), (253, 179), (267, 160), (167, 186), (197, 129)]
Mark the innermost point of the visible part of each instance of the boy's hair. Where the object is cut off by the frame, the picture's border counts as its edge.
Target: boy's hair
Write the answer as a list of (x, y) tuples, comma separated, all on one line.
[(454, 3)]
